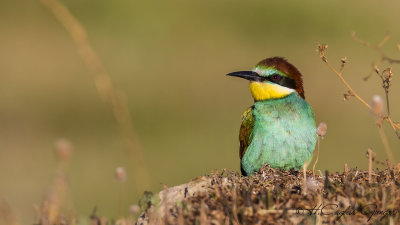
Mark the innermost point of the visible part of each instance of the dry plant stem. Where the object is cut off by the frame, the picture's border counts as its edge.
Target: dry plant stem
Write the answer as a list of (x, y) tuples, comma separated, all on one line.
[(164, 220), (316, 160), (203, 214), (377, 47), (59, 197), (319, 216), (386, 144), (234, 207), (104, 87), (340, 75), (396, 127), (383, 58), (61, 189), (387, 103), (305, 177), (369, 165), (121, 199), (180, 220), (391, 220)]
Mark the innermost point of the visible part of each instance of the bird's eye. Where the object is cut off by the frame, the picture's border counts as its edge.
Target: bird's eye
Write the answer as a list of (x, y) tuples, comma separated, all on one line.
[(276, 77)]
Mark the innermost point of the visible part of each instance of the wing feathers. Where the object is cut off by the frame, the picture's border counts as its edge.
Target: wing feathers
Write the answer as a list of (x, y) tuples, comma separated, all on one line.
[(245, 130)]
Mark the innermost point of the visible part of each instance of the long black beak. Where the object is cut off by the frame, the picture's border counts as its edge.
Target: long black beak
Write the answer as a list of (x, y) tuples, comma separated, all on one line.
[(248, 75)]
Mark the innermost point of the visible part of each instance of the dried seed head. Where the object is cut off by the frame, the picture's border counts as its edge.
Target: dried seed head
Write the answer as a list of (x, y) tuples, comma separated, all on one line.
[(376, 69), (120, 174), (321, 50), (377, 106), (387, 76), (347, 95), (134, 209), (343, 61), (63, 150), (371, 153), (322, 129), (387, 73), (312, 184)]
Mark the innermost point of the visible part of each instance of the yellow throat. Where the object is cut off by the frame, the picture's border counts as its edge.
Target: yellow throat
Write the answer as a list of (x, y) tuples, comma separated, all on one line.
[(265, 90)]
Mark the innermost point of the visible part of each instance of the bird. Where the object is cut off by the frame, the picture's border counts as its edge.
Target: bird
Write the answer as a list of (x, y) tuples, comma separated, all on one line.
[(279, 129)]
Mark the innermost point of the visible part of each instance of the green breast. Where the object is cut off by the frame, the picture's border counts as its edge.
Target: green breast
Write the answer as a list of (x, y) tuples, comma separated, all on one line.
[(284, 134)]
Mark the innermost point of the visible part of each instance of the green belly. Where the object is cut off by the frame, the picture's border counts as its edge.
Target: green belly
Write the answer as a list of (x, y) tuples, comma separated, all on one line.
[(284, 134)]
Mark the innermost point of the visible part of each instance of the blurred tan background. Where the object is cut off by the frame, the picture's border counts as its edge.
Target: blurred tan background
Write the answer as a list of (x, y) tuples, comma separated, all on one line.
[(170, 58)]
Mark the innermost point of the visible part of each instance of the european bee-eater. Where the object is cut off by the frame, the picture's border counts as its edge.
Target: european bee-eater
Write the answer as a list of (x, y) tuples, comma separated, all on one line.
[(279, 129)]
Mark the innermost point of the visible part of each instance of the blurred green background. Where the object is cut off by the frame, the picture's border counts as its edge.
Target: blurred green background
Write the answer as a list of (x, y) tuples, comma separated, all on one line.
[(170, 58)]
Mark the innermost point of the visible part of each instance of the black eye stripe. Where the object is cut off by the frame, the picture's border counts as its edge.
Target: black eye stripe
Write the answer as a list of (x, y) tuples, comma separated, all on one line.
[(281, 80), (275, 77)]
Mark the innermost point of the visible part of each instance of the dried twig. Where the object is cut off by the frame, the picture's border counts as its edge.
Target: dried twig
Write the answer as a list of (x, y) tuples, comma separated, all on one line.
[(377, 48), (369, 152), (321, 132), (203, 214), (351, 93), (386, 144), (386, 75), (316, 160), (321, 49), (104, 87), (305, 165)]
